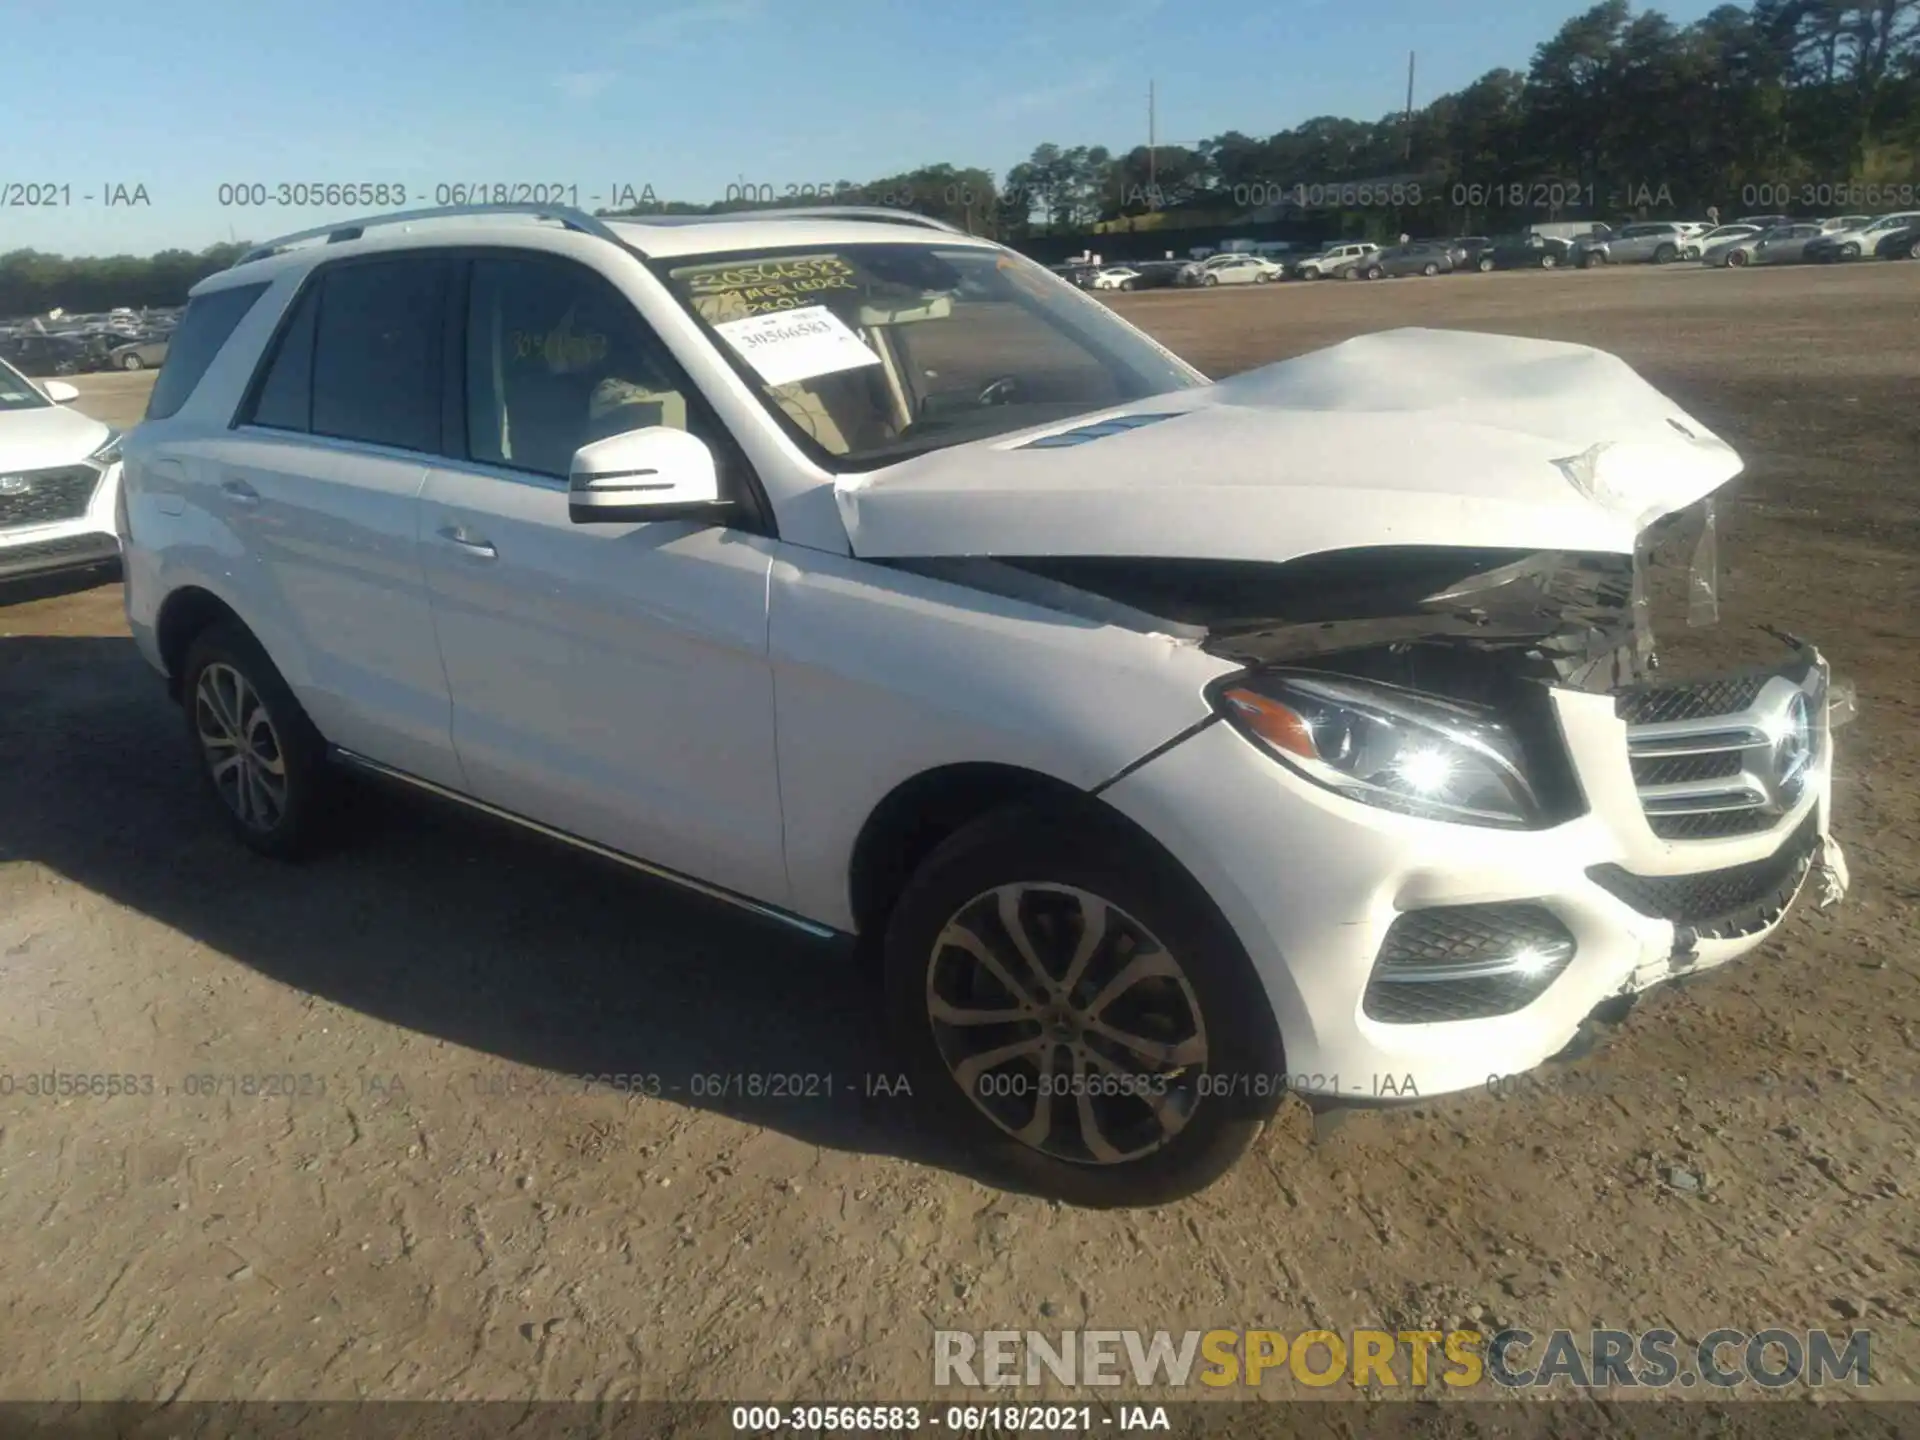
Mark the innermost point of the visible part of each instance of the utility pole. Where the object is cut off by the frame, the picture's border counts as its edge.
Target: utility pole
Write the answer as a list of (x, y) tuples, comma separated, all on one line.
[(1152, 169), (1409, 104)]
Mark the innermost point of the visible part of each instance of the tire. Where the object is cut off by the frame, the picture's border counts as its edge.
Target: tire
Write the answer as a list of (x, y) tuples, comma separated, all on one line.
[(228, 687), (1429, 269), (1262, 279), (1483, 264), (1849, 251), (1737, 258), (130, 362), (1129, 285), (1913, 248), (1211, 281), (1374, 272), (1665, 255), (1052, 866), (1592, 258), (1547, 262)]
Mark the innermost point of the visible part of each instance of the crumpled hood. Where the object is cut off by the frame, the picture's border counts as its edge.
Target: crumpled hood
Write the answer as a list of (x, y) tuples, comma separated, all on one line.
[(46, 436), (1407, 437)]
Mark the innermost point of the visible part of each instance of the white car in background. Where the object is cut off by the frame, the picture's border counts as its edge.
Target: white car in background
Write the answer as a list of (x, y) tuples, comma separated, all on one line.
[(1708, 239), (59, 480), (1334, 260), (856, 572), (1240, 270), (1115, 277)]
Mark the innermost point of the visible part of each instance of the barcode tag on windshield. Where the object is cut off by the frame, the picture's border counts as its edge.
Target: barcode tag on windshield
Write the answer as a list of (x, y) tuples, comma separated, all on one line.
[(790, 345)]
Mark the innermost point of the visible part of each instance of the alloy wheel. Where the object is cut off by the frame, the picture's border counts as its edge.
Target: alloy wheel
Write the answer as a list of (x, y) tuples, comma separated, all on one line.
[(1066, 1022), (243, 752)]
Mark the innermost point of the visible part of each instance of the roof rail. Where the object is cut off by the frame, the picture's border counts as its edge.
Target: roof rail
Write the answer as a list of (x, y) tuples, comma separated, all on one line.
[(882, 213), (572, 218)]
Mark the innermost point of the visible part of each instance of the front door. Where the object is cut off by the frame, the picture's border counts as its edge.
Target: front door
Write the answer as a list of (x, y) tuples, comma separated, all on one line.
[(608, 680)]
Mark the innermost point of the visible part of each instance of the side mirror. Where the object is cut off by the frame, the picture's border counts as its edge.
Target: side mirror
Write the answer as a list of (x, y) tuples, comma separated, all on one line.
[(658, 473), (60, 392)]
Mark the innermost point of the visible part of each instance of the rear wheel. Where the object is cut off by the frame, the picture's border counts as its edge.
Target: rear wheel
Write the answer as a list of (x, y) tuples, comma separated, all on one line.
[(1484, 264), (1849, 251), (1547, 262), (1374, 272), (1737, 257), (129, 362), (1665, 255), (1913, 248), (1072, 1005), (1429, 269), (1592, 258), (1211, 280), (259, 754)]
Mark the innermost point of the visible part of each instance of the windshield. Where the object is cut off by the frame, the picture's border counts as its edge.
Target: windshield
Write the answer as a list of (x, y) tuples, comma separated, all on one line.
[(871, 353), (17, 392)]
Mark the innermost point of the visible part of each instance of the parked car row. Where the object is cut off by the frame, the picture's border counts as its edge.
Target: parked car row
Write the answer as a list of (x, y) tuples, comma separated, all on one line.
[(61, 344)]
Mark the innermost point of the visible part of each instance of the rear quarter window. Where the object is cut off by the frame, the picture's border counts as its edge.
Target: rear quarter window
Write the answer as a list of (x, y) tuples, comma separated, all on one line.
[(208, 324)]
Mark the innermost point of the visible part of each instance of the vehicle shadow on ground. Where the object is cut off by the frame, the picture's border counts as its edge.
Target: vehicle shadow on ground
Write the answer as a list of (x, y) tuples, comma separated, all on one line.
[(444, 923)]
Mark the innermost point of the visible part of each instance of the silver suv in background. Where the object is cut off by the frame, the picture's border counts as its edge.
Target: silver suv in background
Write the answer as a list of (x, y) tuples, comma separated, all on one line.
[(1654, 243)]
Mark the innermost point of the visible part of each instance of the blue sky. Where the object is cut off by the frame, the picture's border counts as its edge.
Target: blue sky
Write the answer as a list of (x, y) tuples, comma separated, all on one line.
[(687, 96)]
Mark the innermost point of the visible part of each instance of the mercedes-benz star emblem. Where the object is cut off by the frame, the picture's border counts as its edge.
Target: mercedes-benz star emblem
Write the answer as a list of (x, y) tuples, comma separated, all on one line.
[(1793, 753)]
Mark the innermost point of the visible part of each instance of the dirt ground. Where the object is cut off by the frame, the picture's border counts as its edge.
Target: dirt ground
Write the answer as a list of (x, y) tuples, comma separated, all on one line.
[(437, 1214)]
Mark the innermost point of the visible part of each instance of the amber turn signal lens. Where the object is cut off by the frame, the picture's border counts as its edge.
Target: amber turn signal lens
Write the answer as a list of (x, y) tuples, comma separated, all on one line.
[(1274, 723)]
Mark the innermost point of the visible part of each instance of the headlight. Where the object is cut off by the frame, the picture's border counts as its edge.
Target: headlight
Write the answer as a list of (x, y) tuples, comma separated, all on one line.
[(1380, 745), (109, 452)]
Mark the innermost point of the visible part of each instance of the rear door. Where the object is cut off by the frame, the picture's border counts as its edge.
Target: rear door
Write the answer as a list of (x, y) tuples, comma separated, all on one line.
[(322, 479)]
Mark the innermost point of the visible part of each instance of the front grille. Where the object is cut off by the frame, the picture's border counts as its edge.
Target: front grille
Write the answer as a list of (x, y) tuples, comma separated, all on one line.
[(1466, 962), (1673, 769), (1724, 757), (41, 497), (1720, 903), (1666, 700), (1712, 826)]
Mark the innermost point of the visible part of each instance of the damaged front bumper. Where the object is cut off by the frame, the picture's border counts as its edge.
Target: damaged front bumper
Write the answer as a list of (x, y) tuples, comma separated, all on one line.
[(1340, 905)]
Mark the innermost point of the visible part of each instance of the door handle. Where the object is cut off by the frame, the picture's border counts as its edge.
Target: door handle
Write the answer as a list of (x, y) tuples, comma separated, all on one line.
[(474, 545), (240, 492)]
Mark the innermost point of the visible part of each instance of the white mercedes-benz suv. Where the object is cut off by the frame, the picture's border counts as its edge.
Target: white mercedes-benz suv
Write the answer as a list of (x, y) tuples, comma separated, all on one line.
[(1170, 745), (59, 480)]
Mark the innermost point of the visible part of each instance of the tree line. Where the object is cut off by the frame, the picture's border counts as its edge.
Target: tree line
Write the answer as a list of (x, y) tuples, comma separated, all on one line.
[(1800, 106)]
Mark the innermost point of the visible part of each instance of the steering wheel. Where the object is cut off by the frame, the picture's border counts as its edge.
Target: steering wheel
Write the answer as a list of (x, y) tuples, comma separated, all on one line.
[(1000, 391)]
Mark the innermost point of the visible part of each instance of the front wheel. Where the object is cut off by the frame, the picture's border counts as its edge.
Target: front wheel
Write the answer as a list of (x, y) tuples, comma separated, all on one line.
[(1592, 258), (1738, 257), (1211, 280), (1849, 251), (1429, 270), (258, 753), (1547, 262), (1483, 265), (1072, 1006), (1374, 272), (130, 362), (1913, 248)]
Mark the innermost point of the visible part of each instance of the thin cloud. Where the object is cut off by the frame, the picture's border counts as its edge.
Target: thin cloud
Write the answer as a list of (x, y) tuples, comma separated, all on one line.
[(693, 22), (580, 86), (1052, 97)]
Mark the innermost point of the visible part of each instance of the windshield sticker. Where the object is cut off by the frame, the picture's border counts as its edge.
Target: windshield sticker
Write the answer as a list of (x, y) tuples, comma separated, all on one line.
[(765, 287), (796, 344)]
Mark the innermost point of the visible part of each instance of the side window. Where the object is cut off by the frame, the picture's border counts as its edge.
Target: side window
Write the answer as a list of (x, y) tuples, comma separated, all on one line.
[(558, 358), (208, 324), (284, 399), (376, 353)]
